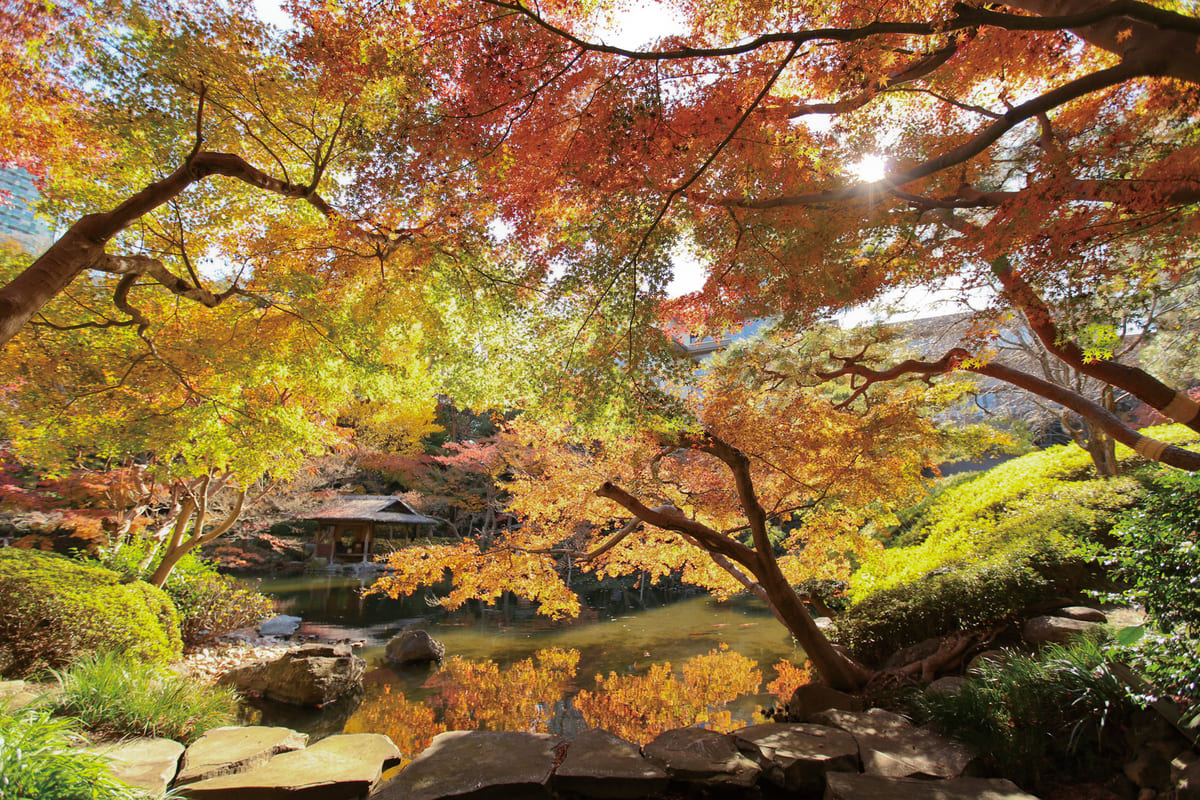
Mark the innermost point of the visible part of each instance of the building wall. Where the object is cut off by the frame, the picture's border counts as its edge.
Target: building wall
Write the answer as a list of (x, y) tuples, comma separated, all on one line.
[(19, 222)]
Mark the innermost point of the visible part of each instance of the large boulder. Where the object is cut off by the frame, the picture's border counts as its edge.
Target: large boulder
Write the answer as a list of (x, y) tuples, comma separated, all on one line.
[(601, 764), (797, 757), (415, 647), (892, 746), (704, 757), (477, 765), (312, 675), (1059, 630), (225, 751), (337, 768), (812, 698)]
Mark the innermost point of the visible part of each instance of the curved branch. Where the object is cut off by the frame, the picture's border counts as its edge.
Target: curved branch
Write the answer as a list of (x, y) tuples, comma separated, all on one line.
[(1030, 109), (711, 540), (1097, 414)]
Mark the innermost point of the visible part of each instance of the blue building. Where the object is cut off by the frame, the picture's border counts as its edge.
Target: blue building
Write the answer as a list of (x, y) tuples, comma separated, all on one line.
[(19, 222)]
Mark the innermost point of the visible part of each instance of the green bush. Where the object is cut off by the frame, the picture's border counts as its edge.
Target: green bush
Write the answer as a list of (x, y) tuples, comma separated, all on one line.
[(210, 605), (54, 609), (1158, 558), (956, 597), (1056, 715), (38, 761), (1050, 492), (113, 693)]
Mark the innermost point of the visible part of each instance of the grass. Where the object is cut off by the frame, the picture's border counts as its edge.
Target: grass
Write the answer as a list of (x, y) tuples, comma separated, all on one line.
[(113, 693), (38, 761), (1037, 717)]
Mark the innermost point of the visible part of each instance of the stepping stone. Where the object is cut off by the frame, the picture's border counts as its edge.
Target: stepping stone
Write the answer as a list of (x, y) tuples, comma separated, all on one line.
[(1059, 630), (225, 751), (282, 625), (797, 757), (1084, 613), (846, 786), (601, 764), (892, 746), (477, 765), (145, 763), (341, 767), (704, 757)]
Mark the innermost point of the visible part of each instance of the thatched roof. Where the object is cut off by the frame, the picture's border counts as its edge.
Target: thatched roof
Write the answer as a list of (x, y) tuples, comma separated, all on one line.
[(370, 508)]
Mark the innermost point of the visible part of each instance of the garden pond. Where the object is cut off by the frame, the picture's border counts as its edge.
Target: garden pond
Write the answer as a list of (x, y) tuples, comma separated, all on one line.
[(636, 662)]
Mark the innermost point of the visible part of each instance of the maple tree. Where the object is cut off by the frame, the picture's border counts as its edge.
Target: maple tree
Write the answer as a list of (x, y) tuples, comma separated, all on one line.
[(1028, 145), (205, 413), (751, 489)]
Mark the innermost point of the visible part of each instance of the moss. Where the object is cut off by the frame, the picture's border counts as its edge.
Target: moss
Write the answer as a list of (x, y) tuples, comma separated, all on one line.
[(54, 609)]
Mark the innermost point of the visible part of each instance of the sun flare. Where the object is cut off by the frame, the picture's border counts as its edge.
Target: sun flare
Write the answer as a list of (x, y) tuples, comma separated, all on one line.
[(871, 168)]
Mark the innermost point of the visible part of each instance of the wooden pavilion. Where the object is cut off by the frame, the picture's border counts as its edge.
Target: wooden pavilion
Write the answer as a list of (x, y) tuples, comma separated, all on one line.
[(348, 528)]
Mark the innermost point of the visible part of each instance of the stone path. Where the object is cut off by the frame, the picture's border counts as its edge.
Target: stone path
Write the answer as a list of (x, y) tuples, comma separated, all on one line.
[(842, 755)]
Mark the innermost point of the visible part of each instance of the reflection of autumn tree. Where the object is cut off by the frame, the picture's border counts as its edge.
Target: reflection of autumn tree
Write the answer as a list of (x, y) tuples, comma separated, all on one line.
[(788, 677), (478, 695), (409, 724), (640, 707)]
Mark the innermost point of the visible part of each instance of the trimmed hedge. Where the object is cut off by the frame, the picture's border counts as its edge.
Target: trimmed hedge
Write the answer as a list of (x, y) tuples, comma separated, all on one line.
[(54, 609), (958, 597), (1050, 492)]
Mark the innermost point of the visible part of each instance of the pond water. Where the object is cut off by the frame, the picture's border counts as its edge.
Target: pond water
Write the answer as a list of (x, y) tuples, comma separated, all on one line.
[(508, 668)]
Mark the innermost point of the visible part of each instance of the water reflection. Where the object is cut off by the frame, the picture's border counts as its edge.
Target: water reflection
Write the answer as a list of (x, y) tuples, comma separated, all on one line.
[(633, 670), (539, 695)]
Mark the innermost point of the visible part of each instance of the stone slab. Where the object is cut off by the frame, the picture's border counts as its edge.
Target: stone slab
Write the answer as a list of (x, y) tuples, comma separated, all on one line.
[(145, 763), (701, 756), (846, 786), (225, 751), (890, 745), (601, 764), (1059, 630), (1084, 613), (282, 625), (796, 757), (477, 765), (341, 767)]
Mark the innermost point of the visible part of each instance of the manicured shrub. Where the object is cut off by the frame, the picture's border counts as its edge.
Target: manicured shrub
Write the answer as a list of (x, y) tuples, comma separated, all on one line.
[(207, 602), (210, 605), (958, 596), (1159, 557), (54, 609), (1058, 715), (113, 693), (1050, 492), (38, 761)]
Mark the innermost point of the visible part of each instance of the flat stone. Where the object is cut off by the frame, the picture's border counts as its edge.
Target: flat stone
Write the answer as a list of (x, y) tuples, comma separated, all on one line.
[(698, 755), (477, 765), (892, 746), (845, 786), (338, 768), (145, 763), (282, 625), (226, 751), (950, 684), (18, 694), (1084, 613), (601, 764), (1059, 630), (810, 698), (797, 757)]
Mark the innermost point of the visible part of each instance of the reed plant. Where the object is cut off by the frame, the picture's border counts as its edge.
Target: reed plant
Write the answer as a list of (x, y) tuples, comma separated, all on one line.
[(1034, 717), (37, 760), (114, 694)]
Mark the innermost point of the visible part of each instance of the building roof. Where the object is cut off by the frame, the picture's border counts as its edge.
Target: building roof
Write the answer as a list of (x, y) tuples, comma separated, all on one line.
[(370, 508)]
